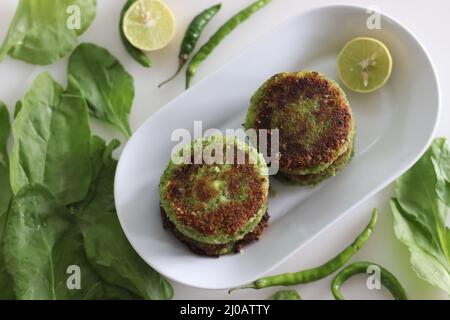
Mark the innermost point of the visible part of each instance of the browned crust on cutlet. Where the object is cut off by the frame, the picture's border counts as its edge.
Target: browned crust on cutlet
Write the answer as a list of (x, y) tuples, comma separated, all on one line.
[(229, 217), (214, 250), (287, 88), (315, 178)]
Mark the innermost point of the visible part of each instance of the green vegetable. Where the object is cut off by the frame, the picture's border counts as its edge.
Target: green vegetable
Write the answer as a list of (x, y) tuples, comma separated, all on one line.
[(314, 274), (5, 128), (40, 33), (5, 198), (51, 146), (420, 208), (387, 279), (285, 295), (192, 35), (219, 35), (40, 245), (111, 292), (17, 108), (107, 248), (441, 163), (107, 87), (6, 284), (5, 191), (137, 54), (62, 218)]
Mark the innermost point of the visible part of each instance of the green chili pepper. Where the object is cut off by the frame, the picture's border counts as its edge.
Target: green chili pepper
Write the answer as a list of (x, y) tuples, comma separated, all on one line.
[(219, 35), (387, 279), (137, 54), (310, 275), (192, 35), (285, 295)]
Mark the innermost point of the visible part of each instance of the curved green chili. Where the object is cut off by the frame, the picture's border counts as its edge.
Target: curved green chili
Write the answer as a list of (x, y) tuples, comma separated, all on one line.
[(310, 275), (192, 35), (219, 35), (137, 54), (285, 295), (387, 279)]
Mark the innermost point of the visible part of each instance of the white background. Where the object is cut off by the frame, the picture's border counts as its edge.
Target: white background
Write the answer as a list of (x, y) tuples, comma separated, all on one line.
[(427, 19)]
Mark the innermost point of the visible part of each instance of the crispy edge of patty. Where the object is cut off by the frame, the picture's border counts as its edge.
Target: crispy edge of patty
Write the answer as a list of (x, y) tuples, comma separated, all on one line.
[(313, 85), (316, 178), (215, 250), (241, 220)]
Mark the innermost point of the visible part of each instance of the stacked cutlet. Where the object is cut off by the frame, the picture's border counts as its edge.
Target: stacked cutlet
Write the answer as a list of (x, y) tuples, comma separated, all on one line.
[(216, 208), (315, 122)]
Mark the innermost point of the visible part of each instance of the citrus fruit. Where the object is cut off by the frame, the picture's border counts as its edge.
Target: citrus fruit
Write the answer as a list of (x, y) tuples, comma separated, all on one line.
[(149, 25), (364, 64)]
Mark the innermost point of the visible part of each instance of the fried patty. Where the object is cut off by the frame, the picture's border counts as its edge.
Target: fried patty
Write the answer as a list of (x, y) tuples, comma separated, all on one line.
[(313, 117), (315, 178), (216, 250), (216, 204)]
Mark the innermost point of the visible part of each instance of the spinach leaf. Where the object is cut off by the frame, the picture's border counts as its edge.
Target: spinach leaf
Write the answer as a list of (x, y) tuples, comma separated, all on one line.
[(441, 163), (5, 189), (107, 87), (44, 31), (70, 252), (107, 248), (111, 292), (17, 108), (420, 209), (52, 141), (6, 284), (41, 241), (5, 129)]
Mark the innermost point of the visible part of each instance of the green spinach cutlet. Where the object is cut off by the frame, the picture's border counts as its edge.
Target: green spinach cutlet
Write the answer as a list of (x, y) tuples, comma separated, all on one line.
[(216, 208), (315, 122)]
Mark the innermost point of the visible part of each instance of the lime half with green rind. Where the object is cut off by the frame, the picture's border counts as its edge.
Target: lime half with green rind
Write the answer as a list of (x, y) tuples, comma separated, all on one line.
[(149, 25), (364, 64)]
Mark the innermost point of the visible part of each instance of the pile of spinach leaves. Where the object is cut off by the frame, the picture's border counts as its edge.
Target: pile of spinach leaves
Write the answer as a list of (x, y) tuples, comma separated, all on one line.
[(57, 213), (420, 208), (57, 207)]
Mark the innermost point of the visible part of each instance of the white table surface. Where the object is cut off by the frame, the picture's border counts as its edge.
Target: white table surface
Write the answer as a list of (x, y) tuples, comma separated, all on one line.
[(428, 20)]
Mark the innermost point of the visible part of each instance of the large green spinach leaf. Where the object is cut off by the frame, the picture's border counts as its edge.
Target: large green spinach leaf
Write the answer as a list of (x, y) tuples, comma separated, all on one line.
[(43, 31), (104, 83), (41, 242), (52, 142), (420, 210), (107, 248)]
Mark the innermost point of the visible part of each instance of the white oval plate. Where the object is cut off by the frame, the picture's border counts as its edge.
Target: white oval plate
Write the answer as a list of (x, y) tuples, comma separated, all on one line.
[(394, 127)]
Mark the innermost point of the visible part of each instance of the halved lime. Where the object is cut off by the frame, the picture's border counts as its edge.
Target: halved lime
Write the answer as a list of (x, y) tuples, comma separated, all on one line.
[(149, 25), (364, 64)]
